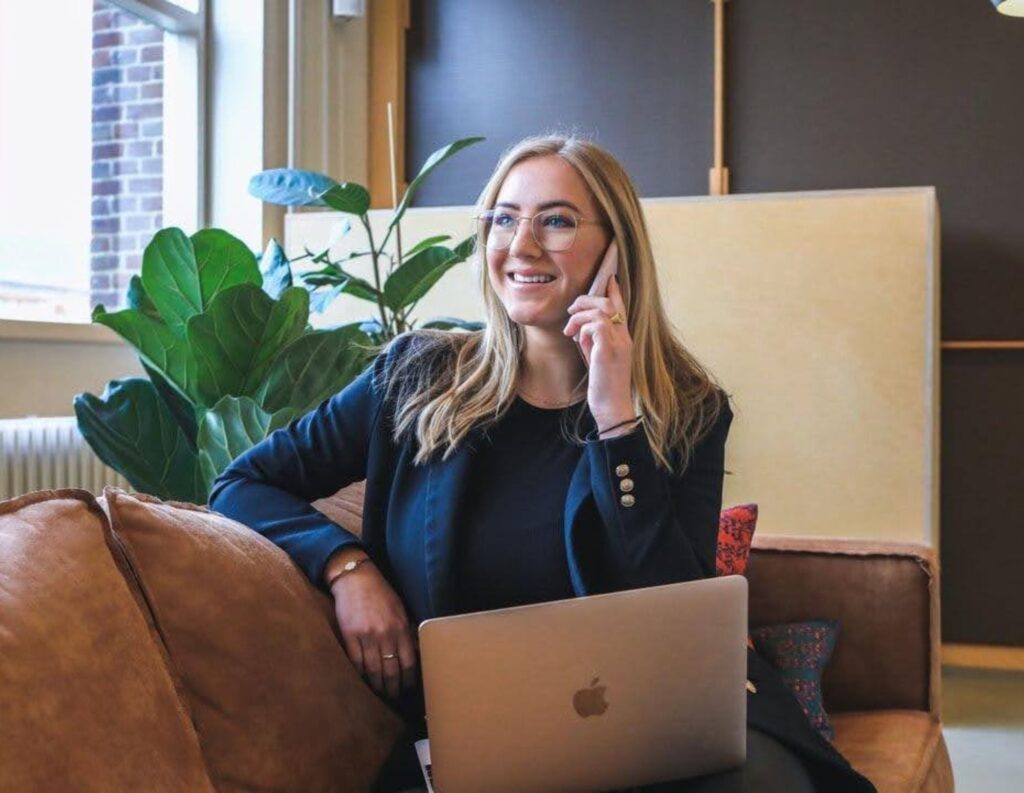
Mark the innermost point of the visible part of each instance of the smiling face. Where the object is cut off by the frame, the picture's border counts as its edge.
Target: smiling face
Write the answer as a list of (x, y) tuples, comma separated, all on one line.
[(531, 186)]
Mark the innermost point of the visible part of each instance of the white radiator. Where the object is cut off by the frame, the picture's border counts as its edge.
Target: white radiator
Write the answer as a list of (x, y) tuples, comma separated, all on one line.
[(49, 453)]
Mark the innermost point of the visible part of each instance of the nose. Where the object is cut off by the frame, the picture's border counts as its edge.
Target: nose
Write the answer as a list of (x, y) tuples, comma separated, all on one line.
[(523, 243)]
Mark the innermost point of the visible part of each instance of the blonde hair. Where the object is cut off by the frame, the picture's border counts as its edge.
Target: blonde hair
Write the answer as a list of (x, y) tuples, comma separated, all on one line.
[(452, 382)]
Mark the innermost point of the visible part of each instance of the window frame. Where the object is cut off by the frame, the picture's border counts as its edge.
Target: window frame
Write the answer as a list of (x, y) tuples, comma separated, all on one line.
[(177, 20)]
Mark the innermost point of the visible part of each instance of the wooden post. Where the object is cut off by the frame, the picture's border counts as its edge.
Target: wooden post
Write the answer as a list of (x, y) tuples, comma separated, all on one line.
[(388, 21), (995, 344), (719, 176)]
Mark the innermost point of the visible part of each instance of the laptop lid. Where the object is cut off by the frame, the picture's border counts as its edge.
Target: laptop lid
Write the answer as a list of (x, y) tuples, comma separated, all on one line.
[(590, 693)]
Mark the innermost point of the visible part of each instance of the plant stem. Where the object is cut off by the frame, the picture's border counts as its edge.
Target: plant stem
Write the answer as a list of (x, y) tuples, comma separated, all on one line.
[(398, 242), (385, 324)]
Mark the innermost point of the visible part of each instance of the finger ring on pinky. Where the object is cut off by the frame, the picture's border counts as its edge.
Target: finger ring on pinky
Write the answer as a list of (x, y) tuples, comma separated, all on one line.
[(389, 656), (617, 318)]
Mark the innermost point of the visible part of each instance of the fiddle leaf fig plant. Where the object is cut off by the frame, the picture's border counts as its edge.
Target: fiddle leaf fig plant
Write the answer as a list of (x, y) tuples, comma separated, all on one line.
[(229, 355), (225, 339), (408, 276)]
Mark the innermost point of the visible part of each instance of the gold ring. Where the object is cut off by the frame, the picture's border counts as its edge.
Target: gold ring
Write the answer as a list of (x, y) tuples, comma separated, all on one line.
[(617, 318)]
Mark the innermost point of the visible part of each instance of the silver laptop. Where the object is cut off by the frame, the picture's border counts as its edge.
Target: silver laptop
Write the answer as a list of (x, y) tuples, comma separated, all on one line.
[(588, 694)]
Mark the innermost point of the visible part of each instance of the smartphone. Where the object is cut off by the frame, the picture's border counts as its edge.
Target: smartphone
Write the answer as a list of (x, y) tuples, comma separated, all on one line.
[(599, 288)]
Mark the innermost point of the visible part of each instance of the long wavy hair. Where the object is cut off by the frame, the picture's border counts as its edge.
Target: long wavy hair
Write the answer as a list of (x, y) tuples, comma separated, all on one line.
[(453, 382)]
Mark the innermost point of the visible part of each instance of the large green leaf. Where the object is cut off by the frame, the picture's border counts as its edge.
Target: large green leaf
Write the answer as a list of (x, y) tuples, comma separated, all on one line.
[(158, 346), (432, 162), (426, 244), (182, 276), (290, 187), (413, 279), (334, 275), (131, 430), (181, 408), (465, 248), (234, 425), (315, 367), (347, 197), (275, 269), (237, 339), (138, 299), (320, 299)]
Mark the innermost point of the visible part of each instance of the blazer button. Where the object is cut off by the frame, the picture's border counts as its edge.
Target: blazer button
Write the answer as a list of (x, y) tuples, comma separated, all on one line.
[(626, 485), (622, 470), (751, 687), (627, 500)]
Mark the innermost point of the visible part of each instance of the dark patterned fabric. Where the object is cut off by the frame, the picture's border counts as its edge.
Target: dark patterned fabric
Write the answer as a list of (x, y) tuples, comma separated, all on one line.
[(799, 651), (735, 533)]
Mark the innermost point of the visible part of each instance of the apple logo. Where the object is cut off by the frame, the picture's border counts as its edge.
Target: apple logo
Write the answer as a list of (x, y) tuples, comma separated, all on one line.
[(590, 701)]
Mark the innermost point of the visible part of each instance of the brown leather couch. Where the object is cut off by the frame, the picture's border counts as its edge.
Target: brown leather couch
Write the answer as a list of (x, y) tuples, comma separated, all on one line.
[(157, 613), (883, 686)]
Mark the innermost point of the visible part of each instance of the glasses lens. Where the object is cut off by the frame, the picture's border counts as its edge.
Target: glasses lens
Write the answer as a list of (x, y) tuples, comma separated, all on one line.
[(555, 230), (499, 227)]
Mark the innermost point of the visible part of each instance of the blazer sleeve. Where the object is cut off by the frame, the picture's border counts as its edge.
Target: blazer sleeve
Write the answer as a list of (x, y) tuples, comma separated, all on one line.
[(668, 531), (269, 487)]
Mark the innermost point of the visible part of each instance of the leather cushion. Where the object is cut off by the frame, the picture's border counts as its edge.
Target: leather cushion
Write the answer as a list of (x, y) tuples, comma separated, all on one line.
[(345, 507), (87, 701), (898, 750), (882, 600), (277, 704)]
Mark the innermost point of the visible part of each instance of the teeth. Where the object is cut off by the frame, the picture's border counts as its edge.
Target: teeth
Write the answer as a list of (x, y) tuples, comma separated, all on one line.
[(532, 279)]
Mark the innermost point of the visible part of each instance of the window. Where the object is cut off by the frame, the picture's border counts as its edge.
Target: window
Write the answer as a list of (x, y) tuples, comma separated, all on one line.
[(99, 147)]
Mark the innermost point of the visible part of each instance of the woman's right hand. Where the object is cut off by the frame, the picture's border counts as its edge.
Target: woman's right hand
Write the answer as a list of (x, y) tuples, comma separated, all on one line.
[(373, 624)]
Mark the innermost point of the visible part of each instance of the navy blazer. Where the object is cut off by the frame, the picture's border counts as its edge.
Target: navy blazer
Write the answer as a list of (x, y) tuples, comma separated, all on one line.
[(411, 516)]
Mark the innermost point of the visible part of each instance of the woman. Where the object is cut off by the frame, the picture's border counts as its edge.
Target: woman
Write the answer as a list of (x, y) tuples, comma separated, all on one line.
[(618, 443)]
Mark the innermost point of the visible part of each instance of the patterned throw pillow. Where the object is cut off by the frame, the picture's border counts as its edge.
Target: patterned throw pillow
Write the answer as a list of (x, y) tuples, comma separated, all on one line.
[(799, 651), (735, 533)]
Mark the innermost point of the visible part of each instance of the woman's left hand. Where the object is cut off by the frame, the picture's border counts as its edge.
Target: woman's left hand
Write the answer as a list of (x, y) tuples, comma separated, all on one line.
[(608, 350)]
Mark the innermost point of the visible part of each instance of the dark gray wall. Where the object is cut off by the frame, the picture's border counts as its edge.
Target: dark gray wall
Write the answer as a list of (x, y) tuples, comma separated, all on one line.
[(982, 500), (821, 95), (634, 76)]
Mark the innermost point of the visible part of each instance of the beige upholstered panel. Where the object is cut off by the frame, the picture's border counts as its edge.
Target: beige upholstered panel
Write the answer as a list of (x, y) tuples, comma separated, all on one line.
[(819, 313)]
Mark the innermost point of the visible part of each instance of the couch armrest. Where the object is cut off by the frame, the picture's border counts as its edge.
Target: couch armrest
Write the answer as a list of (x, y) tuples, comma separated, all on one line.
[(885, 596), (345, 507)]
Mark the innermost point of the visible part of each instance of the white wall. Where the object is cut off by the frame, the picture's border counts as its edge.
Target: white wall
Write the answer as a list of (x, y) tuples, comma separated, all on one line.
[(40, 376)]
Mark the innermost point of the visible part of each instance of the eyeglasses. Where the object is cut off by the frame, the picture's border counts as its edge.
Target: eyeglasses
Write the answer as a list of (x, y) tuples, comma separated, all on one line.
[(553, 230)]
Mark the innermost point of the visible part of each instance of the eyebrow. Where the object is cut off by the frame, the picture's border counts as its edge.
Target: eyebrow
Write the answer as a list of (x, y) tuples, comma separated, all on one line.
[(542, 207)]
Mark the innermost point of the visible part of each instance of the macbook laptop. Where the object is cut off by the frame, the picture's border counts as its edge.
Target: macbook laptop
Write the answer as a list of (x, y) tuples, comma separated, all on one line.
[(587, 694)]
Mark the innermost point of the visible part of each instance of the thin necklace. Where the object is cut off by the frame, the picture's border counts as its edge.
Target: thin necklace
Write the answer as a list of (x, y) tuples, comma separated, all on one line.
[(547, 402)]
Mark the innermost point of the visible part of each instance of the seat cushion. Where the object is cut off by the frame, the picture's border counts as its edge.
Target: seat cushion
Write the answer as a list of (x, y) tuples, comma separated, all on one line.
[(87, 700), (276, 702), (900, 751)]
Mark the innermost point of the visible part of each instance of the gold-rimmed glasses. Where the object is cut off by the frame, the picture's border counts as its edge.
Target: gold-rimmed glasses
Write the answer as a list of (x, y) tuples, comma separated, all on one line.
[(554, 230)]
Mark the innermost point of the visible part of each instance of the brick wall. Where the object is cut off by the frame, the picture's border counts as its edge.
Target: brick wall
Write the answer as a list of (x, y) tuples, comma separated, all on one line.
[(127, 148)]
